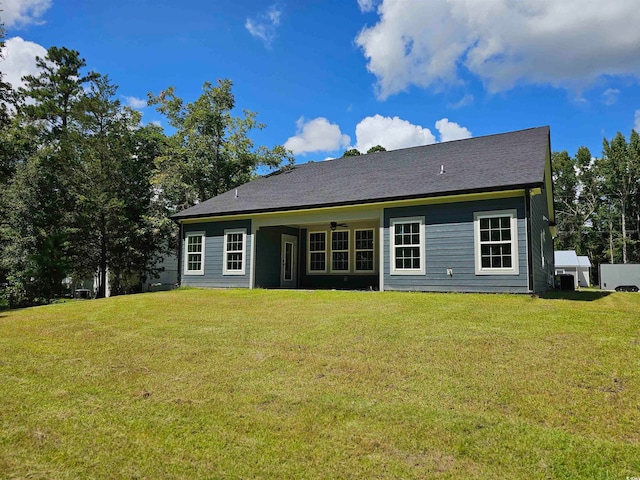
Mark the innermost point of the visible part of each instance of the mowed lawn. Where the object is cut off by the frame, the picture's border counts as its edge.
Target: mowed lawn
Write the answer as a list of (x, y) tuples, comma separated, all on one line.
[(308, 385)]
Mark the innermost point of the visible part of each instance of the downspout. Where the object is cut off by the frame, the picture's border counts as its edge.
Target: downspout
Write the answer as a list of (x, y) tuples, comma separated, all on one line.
[(527, 216), (180, 254), (298, 262)]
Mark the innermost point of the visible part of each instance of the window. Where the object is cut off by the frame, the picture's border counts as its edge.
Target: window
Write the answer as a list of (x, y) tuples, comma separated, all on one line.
[(407, 246), (317, 251), (234, 243), (364, 251), (496, 242), (194, 253), (340, 251)]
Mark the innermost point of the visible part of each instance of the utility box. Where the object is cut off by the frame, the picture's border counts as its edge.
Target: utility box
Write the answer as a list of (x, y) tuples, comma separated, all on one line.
[(566, 282), (620, 277)]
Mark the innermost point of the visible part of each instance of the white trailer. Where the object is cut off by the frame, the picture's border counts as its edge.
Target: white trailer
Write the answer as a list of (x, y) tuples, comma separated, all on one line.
[(620, 277)]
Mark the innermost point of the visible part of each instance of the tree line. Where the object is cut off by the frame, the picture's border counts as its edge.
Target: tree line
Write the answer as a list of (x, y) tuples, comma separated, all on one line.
[(597, 201), (88, 188)]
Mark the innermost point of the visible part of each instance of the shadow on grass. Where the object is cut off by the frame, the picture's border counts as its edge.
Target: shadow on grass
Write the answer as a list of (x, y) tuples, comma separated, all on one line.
[(580, 296)]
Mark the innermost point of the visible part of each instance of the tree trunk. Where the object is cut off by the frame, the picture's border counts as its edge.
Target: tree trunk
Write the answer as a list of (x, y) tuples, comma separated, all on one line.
[(611, 242), (623, 214), (102, 272)]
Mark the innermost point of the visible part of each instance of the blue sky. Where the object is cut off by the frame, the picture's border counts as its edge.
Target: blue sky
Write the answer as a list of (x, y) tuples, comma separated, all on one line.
[(329, 75)]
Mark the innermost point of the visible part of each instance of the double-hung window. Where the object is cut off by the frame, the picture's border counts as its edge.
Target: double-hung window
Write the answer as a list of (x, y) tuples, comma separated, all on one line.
[(194, 253), (496, 242), (407, 246), (234, 252), (340, 251), (317, 252), (364, 250)]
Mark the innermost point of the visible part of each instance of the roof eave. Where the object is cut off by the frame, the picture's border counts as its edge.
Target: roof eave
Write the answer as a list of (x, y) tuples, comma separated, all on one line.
[(176, 217)]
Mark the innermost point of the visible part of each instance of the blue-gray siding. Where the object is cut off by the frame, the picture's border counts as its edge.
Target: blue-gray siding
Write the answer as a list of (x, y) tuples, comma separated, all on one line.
[(213, 253), (542, 273), (449, 244)]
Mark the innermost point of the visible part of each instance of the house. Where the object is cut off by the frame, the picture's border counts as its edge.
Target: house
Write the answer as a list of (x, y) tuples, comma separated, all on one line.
[(472, 215), (567, 262)]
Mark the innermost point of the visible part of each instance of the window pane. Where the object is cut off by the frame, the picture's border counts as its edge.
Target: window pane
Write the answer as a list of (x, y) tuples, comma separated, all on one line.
[(505, 222), (317, 262), (506, 261), (340, 240), (340, 261), (364, 240), (364, 260), (317, 241)]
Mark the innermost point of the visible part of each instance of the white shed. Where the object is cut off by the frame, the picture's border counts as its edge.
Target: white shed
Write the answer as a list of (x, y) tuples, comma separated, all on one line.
[(568, 262)]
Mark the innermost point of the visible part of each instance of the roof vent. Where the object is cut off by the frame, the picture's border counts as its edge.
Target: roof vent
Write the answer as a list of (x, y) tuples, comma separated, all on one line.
[(442, 172), (236, 193)]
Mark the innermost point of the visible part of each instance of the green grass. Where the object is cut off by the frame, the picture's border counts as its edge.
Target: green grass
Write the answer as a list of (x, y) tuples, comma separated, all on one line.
[(295, 384)]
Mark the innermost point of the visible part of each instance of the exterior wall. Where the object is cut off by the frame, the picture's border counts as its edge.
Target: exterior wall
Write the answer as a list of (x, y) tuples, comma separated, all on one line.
[(583, 277), (449, 244), (541, 245), (268, 255), (166, 279), (213, 255)]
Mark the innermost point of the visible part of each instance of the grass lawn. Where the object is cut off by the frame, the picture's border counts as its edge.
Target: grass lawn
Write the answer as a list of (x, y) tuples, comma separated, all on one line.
[(308, 385)]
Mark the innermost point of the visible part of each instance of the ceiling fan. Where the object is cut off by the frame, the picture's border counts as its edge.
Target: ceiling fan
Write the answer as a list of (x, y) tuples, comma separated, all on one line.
[(335, 225)]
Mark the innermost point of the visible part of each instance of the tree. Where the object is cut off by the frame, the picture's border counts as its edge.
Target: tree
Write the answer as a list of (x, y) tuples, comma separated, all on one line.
[(211, 151), (377, 148), (352, 152), (565, 183), (43, 205), (620, 167)]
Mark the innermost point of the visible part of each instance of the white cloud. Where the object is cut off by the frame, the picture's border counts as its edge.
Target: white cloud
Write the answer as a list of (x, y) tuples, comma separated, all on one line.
[(20, 60), (451, 130), (367, 5), (135, 102), (17, 13), (636, 125), (394, 133), (317, 135), (391, 133), (610, 96), (567, 43), (468, 99), (264, 26)]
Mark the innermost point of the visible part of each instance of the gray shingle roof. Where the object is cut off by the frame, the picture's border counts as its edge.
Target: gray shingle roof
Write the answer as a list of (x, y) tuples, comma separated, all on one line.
[(566, 258), (494, 162)]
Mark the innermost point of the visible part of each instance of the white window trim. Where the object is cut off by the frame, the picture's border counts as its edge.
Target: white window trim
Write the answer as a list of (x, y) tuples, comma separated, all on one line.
[(355, 250), (186, 253), (326, 240), (225, 270), (392, 246), (348, 251), (513, 214)]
